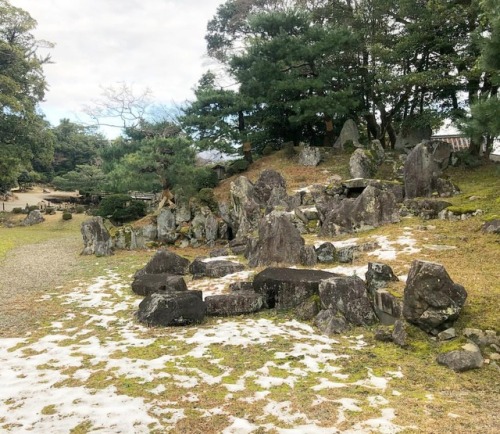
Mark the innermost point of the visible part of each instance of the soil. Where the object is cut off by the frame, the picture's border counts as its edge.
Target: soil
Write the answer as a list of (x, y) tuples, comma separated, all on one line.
[(25, 275), (33, 197)]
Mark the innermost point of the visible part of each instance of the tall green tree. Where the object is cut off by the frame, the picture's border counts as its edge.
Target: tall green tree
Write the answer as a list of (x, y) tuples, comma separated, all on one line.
[(24, 135), (216, 119), (485, 113), (75, 145)]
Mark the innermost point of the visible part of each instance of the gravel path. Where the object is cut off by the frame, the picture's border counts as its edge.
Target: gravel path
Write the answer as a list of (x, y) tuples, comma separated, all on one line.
[(25, 274)]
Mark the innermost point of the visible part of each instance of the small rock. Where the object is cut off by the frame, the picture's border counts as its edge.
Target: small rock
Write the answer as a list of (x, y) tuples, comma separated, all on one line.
[(461, 361), (447, 334), (471, 347), (383, 335), (399, 334), (495, 356)]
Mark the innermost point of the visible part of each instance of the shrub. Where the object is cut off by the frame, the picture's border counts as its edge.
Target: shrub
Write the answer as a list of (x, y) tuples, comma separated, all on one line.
[(33, 208), (121, 208), (203, 177), (238, 166), (50, 210), (268, 150), (80, 209), (206, 197), (67, 215), (17, 210)]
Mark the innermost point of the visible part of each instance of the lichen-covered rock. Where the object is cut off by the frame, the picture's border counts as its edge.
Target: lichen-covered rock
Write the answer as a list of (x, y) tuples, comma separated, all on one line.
[(34, 217), (424, 208), (387, 307), (236, 303), (244, 212), (346, 296), (326, 253), (165, 261), (146, 284), (361, 164), (309, 156), (308, 257), (96, 238), (348, 135), (279, 242), (330, 321), (432, 301), (166, 226), (373, 208), (460, 360), (491, 227), (399, 334), (172, 309), (379, 275), (214, 268), (285, 288), (420, 172)]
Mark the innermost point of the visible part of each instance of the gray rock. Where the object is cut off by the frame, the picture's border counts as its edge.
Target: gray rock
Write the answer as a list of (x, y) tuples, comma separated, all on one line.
[(279, 242), (307, 310), (241, 286), (461, 361), (146, 284), (361, 165), (172, 309), (373, 208), (491, 227), (285, 288), (347, 297), (182, 210), (387, 307), (128, 238), (482, 338), (217, 268), (399, 334), (244, 209), (35, 217), (96, 238), (268, 183), (377, 151), (378, 276), (330, 322), (447, 334), (167, 228), (164, 261), (308, 256), (348, 134), (326, 253), (237, 303), (431, 299), (420, 172), (309, 156), (383, 334), (424, 208)]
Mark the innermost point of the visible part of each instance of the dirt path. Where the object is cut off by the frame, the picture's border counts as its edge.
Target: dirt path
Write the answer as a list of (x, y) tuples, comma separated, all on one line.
[(25, 274), (32, 197)]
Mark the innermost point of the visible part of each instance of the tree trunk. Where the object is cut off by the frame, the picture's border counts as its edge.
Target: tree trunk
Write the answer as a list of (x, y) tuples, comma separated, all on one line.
[(247, 146), (329, 138)]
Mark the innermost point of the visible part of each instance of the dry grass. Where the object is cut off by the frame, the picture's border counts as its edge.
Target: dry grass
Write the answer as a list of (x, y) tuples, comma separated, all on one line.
[(296, 176)]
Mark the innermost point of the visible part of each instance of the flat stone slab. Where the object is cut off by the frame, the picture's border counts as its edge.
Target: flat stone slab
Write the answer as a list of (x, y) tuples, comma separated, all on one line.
[(285, 288), (236, 303), (214, 268)]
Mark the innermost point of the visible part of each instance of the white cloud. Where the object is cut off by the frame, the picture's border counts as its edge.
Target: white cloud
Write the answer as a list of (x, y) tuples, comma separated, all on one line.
[(156, 44)]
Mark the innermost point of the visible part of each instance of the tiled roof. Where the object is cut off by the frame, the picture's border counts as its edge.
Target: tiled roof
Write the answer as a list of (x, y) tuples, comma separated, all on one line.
[(458, 143)]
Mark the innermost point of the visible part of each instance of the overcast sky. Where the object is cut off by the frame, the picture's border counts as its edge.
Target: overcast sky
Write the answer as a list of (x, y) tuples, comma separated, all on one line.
[(155, 44)]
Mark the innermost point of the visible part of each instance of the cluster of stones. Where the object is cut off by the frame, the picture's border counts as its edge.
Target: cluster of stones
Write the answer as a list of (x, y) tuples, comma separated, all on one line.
[(336, 208), (432, 301)]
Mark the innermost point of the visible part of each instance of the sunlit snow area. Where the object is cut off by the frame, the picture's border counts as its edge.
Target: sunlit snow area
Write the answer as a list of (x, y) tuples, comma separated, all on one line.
[(98, 369)]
